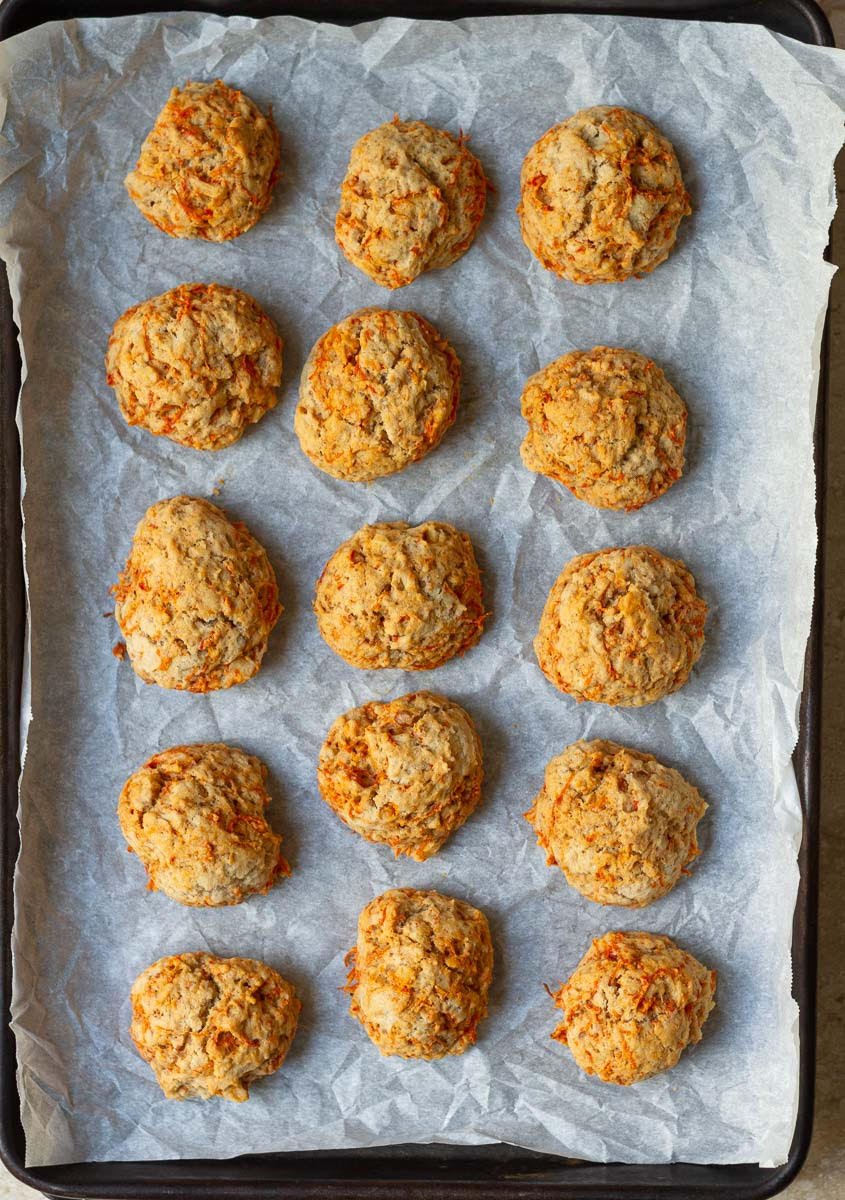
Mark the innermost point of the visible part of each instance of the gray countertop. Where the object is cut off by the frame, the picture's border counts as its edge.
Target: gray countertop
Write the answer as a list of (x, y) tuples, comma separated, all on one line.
[(823, 1177)]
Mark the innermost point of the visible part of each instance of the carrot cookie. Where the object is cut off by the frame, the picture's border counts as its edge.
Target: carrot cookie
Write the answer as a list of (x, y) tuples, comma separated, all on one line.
[(197, 598), (607, 424), (197, 364), (633, 1005), (400, 596), (211, 1026), (621, 626), (194, 815), (209, 164), (602, 196), (420, 973), (412, 200), (620, 825), (378, 392), (405, 773)]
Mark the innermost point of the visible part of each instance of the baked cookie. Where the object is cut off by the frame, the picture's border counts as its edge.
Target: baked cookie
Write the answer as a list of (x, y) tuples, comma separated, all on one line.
[(378, 392), (197, 364), (607, 424), (620, 825), (633, 1005), (621, 626), (211, 1026), (194, 815), (197, 598), (602, 196), (406, 773), (412, 199), (394, 595), (420, 973), (209, 164)]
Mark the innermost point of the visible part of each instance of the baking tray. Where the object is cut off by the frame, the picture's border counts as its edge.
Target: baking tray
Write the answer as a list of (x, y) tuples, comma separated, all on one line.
[(412, 1172)]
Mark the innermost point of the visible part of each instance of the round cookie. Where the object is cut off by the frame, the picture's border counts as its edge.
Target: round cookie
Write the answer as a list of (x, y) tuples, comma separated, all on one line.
[(378, 391), (420, 973), (602, 196), (208, 166), (394, 595), (633, 1005), (194, 815), (619, 824), (412, 200), (211, 1026), (197, 364), (405, 773), (607, 424), (621, 626), (197, 599)]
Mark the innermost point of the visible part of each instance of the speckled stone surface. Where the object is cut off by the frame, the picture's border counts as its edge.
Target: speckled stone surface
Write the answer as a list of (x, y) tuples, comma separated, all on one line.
[(823, 1177)]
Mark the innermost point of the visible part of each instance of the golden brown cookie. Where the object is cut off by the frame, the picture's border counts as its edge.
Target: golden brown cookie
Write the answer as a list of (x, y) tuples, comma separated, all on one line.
[(406, 773), (209, 164), (633, 1005), (378, 392), (211, 1026), (621, 626), (197, 364), (194, 815), (607, 424), (620, 825), (420, 973), (412, 199), (602, 196), (394, 595), (197, 599)]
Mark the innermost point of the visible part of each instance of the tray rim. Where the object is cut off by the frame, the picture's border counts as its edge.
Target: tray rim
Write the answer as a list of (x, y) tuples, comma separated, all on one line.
[(427, 1176)]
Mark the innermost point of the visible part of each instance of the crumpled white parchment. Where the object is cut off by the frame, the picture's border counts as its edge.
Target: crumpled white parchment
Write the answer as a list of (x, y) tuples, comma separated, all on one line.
[(734, 317)]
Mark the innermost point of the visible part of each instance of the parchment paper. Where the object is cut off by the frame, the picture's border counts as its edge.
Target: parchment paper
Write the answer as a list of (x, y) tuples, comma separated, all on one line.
[(734, 317)]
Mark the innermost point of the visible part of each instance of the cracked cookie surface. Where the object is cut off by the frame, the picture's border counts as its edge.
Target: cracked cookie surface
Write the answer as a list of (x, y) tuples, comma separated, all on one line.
[(621, 626), (420, 973), (619, 824), (633, 1005), (396, 595), (602, 196), (197, 599), (198, 364), (405, 773), (208, 166), (378, 392), (195, 816), (607, 424), (209, 1027), (412, 200)]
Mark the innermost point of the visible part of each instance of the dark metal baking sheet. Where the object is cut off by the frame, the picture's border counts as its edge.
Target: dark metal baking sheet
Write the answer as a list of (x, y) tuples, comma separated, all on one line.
[(412, 1172)]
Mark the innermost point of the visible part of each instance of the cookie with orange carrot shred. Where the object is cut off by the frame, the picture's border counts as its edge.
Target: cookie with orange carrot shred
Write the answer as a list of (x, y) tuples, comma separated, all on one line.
[(411, 201), (632, 1006), (378, 392), (198, 364), (208, 166), (602, 196), (210, 1027), (420, 973), (396, 595), (607, 424), (620, 825), (197, 599), (195, 816), (405, 773), (623, 625)]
